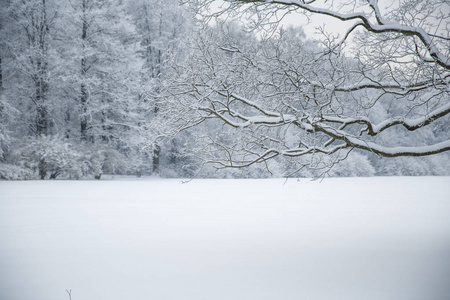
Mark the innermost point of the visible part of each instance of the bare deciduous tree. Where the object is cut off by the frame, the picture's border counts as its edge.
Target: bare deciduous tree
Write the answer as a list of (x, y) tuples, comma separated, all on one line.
[(287, 97)]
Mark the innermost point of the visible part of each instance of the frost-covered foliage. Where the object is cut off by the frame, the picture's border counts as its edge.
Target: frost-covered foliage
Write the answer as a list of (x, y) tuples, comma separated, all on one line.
[(104, 160), (49, 157), (408, 166), (355, 165), (5, 142), (177, 160), (7, 115), (12, 172)]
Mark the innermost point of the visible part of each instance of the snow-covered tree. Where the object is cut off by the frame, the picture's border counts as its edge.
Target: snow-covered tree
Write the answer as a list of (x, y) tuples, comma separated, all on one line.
[(290, 99), (33, 21), (162, 26), (28, 66), (101, 46), (67, 80)]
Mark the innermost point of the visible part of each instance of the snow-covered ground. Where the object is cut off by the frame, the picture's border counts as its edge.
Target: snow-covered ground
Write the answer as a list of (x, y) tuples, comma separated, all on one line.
[(155, 239)]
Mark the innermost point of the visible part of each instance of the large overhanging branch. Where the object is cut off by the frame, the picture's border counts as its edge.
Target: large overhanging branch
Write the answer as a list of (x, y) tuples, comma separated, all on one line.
[(395, 88), (349, 142), (339, 138), (409, 124), (356, 142), (363, 20)]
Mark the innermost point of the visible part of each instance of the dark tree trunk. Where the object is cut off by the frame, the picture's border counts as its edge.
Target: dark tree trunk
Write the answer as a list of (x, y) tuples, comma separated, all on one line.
[(67, 121), (84, 98), (40, 77), (156, 156), (41, 97), (84, 126), (1, 75), (41, 117), (42, 169)]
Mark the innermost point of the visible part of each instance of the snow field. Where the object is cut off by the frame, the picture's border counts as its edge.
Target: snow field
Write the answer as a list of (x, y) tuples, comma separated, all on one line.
[(354, 238)]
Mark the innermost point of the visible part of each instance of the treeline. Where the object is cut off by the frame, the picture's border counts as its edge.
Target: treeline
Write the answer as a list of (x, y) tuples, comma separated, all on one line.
[(79, 82), (92, 87)]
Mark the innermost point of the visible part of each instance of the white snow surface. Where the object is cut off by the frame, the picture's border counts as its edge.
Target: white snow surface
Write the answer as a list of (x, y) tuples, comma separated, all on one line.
[(354, 238)]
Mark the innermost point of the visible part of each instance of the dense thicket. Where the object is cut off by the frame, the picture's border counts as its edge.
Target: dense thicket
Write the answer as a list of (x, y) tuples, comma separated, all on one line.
[(92, 87)]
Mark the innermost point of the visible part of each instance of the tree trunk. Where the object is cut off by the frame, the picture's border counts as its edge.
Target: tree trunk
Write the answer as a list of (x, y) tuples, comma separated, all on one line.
[(41, 94), (84, 98), (41, 118), (40, 78), (84, 111), (42, 169), (1, 75), (67, 123), (156, 156)]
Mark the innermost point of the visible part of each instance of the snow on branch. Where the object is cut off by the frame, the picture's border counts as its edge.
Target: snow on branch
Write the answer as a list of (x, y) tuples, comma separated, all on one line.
[(364, 21), (409, 124)]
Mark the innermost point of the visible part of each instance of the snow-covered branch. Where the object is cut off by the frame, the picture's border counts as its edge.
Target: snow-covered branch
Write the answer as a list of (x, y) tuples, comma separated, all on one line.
[(363, 19), (409, 124)]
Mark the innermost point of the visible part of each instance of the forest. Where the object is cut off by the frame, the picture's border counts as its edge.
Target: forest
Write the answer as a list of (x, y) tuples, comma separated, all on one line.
[(196, 89)]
